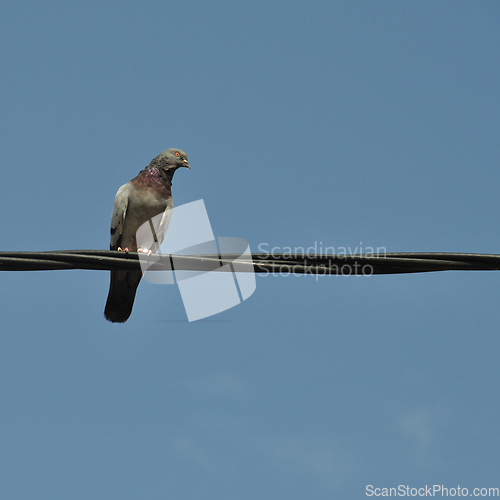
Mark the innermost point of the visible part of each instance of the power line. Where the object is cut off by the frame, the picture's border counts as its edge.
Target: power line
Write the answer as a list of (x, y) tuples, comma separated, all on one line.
[(361, 264)]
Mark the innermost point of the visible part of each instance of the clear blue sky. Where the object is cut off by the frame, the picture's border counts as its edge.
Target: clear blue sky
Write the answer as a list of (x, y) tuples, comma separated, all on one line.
[(332, 122)]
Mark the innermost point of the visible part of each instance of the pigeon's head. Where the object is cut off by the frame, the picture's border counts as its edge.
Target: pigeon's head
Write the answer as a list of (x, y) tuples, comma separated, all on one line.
[(171, 159)]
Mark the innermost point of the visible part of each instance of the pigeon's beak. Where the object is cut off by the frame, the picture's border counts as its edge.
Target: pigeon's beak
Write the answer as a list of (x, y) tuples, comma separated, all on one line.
[(186, 164)]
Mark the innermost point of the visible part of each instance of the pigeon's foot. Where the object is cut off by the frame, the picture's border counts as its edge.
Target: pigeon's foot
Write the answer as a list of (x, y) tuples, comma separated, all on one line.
[(141, 250), (123, 250)]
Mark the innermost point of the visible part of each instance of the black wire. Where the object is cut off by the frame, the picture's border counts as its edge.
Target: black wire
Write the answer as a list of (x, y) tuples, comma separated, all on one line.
[(365, 264)]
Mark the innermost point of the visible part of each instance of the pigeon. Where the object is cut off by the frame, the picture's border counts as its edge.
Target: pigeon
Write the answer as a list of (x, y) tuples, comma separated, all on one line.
[(145, 196)]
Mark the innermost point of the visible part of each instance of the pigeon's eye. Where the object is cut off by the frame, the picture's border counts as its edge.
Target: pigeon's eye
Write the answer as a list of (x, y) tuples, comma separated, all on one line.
[(177, 153)]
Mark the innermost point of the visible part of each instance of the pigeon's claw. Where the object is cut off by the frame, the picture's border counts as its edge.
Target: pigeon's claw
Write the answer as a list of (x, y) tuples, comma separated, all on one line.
[(141, 250)]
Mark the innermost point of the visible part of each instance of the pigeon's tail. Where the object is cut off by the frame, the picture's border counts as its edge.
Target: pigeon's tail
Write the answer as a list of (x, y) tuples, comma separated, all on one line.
[(122, 288)]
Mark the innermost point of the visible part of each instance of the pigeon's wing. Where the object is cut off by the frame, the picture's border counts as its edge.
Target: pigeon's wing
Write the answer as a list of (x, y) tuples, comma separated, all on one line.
[(152, 232), (166, 217), (118, 215), (123, 285)]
